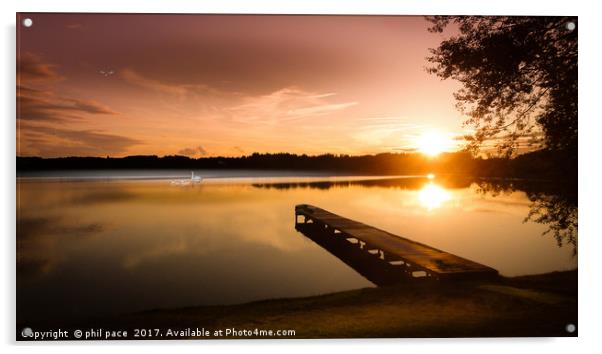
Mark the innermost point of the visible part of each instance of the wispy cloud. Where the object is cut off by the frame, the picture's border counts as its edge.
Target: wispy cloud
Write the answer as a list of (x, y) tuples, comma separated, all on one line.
[(288, 103), (49, 141), (40, 105), (318, 110), (134, 78), (37, 101), (31, 68), (41, 113), (180, 90), (393, 133)]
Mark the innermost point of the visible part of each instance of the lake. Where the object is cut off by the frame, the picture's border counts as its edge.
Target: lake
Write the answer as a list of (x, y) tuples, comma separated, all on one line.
[(93, 245)]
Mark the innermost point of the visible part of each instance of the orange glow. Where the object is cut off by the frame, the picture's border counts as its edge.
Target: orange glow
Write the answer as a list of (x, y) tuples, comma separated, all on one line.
[(209, 90), (432, 196), (433, 143)]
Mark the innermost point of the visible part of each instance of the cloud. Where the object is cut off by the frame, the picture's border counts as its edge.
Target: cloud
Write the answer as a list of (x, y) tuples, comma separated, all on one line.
[(37, 101), (318, 110), (31, 68), (49, 141), (40, 110), (286, 104), (180, 90), (134, 78), (88, 106), (193, 151), (39, 105)]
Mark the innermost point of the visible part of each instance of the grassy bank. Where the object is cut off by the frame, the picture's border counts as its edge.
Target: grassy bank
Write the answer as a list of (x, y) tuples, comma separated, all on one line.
[(539, 305)]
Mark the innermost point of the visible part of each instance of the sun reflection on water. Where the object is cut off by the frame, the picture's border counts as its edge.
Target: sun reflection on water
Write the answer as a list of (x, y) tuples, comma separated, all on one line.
[(432, 196)]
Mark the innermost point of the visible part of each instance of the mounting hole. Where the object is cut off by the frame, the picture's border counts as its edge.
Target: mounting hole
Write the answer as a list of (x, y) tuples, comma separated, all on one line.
[(570, 328), (571, 25), (27, 22)]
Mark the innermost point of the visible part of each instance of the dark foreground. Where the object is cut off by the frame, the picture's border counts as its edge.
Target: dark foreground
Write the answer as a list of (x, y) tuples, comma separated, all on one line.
[(538, 305)]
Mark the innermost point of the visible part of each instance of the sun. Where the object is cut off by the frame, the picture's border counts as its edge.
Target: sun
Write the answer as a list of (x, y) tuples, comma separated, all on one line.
[(433, 143)]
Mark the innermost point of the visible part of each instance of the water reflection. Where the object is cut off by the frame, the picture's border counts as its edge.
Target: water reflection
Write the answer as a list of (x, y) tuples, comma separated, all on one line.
[(368, 265), (553, 204), (559, 214), (431, 196), (407, 183), (148, 244)]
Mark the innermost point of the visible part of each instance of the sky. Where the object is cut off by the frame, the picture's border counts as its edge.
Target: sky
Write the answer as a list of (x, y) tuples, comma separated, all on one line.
[(228, 85)]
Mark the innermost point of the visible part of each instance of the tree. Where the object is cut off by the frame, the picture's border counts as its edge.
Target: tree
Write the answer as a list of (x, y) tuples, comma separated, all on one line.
[(518, 76)]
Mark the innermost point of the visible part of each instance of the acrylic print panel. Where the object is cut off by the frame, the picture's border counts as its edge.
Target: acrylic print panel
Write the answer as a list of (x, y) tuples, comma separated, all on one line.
[(273, 177)]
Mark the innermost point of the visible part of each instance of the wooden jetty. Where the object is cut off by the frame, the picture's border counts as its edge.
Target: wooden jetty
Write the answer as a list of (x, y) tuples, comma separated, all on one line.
[(414, 259)]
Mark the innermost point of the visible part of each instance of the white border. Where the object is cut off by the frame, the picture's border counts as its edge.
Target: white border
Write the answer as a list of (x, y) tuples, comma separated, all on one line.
[(589, 170)]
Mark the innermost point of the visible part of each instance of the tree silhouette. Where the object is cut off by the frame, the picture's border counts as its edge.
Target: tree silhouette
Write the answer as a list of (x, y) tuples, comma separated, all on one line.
[(536, 164), (518, 76)]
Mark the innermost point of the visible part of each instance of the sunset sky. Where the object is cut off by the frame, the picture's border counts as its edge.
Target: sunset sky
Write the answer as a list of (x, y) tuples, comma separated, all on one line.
[(209, 85)]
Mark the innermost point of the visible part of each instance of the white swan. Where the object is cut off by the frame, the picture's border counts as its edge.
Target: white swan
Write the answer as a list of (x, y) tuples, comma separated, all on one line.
[(194, 178), (185, 182)]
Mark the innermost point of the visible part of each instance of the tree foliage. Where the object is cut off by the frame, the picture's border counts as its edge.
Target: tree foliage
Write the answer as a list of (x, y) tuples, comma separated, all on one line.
[(518, 77)]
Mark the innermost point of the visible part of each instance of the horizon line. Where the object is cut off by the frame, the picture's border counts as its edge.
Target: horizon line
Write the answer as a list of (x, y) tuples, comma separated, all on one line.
[(415, 153)]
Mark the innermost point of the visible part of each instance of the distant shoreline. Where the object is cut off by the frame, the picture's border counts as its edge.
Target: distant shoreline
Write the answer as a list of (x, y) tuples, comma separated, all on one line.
[(537, 164), (223, 176)]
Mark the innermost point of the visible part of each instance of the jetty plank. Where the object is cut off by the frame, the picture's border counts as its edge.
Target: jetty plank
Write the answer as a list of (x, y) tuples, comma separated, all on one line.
[(415, 255)]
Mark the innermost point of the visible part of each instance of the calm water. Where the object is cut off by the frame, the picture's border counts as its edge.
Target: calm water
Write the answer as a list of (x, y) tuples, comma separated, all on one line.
[(105, 246)]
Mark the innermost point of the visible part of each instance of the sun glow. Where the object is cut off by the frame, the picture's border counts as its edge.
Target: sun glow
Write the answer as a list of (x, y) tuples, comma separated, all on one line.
[(433, 143), (432, 196)]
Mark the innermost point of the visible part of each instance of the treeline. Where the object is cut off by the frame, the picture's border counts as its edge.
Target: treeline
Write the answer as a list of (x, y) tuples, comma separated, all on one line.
[(535, 164)]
